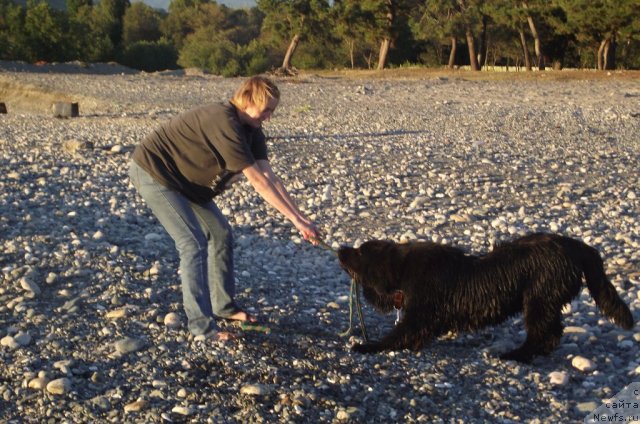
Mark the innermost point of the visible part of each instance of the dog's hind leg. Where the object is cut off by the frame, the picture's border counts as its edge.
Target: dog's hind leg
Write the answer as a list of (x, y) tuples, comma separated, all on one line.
[(543, 323)]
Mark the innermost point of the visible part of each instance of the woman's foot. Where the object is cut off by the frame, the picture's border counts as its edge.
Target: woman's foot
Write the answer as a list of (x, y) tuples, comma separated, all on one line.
[(241, 316)]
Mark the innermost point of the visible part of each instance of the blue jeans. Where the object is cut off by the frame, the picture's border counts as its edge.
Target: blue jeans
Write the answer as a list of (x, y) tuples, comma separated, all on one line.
[(204, 241)]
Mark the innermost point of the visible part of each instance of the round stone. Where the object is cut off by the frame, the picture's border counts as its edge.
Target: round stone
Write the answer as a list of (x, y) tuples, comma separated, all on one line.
[(558, 378), (583, 364), (172, 320), (136, 406), (129, 345), (59, 386)]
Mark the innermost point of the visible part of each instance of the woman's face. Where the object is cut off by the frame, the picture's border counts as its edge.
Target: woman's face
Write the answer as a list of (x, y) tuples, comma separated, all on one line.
[(255, 116)]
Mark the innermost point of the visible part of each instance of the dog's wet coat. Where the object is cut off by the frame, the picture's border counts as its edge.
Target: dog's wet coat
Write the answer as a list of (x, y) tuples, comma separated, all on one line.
[(444, 289)]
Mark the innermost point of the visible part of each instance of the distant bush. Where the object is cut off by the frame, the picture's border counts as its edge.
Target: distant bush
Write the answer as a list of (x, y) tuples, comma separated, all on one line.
[(149, 56), (205, 51), (260, 58), (221, 56)]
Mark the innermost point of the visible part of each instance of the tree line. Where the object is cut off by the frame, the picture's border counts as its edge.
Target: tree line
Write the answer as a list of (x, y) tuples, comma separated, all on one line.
[(318, 34)]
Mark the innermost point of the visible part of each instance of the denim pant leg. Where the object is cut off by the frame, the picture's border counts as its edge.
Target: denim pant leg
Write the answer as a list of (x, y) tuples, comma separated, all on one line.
[(176, 214), (220, 269)]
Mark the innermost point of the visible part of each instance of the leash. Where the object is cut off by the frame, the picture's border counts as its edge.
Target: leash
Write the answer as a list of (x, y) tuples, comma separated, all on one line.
[(323, 245), (354, 297)]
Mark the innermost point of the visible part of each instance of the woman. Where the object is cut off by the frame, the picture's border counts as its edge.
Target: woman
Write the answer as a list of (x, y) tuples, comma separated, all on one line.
[(180, 167)]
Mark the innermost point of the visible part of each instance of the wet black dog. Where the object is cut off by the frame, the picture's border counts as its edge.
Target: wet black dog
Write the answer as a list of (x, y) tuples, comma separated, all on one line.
[(441, 288)]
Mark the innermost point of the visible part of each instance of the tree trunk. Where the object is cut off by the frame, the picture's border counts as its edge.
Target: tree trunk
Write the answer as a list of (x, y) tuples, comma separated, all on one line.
[(473, 59), (525, 49), (537, 45), (452, 55), (368, 59), (601, 54), (486, 58), (386, 42), (483, 49), (610, 53), (384, 51), (286, 63), (352, 47)]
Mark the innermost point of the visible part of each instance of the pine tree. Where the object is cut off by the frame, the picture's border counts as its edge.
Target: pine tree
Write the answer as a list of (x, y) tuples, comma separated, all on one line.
[(294, 20), (140, 23), (108, 19), (600, 25)]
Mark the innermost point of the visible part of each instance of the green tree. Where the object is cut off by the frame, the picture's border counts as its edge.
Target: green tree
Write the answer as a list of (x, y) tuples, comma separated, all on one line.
[(44, 31), (185, 17), (242, 26), (470, 18), (108, 19), (140, 23), (86, 41), (533, 8), (207, 34), (384, 23), (386, 12), (510, 15), (73, 6), (205, 49), (11, 31), (450, 19), (259, 58), (294, 20), (601, 24), (353, 23), (149, 56)]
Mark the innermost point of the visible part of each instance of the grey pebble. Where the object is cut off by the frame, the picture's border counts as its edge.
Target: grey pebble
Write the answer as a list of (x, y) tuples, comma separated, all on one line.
[(129, 345)]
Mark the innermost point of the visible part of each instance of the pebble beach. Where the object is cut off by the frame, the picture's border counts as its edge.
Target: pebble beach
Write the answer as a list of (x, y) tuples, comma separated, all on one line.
[(91, 321)]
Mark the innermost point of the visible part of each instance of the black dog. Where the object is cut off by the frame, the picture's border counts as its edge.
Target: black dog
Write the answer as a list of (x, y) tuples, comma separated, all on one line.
[(441, 288)]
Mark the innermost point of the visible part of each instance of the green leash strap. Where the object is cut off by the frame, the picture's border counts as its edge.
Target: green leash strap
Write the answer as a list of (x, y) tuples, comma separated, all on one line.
[(245, 326), (363, 328), (348, 331), (354, 298), (323, 245)]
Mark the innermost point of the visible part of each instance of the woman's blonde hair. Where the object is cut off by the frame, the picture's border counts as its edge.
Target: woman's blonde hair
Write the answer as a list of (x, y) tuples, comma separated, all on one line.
[(255, 91)]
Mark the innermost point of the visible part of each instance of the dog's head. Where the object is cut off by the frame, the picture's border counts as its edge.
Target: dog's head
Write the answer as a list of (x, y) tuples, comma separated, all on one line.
[(375, 264)]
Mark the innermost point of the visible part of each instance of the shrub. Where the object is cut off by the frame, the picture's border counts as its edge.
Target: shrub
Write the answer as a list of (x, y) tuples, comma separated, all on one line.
[(149, 56)]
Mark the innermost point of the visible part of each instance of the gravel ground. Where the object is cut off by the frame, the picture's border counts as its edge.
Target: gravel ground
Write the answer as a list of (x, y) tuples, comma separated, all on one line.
[(91, 324)]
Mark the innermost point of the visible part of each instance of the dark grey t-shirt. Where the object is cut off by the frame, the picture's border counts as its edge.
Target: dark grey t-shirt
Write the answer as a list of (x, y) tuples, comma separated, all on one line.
[(196, 152)]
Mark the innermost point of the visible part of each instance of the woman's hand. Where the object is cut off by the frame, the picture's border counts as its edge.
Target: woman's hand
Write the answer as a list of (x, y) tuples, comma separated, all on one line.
[(308, 230)]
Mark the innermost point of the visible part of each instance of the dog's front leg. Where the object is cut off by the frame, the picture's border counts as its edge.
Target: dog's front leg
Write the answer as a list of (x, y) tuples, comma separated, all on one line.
[(404, 336), (368, 347)]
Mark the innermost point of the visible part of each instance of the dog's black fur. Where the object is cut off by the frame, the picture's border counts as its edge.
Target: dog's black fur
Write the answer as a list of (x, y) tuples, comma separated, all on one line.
[(444, 289)]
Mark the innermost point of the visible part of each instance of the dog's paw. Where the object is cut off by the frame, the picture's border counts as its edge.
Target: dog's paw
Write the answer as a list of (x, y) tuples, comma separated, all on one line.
[(517, 355), (366, 348)]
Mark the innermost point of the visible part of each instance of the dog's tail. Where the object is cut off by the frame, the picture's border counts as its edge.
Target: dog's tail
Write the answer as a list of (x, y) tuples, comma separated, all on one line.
[(601, 289)]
